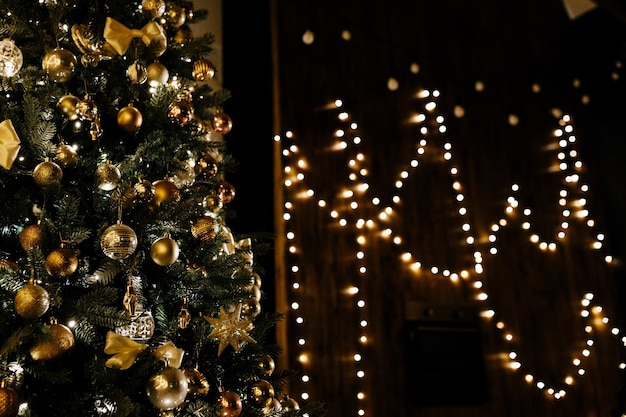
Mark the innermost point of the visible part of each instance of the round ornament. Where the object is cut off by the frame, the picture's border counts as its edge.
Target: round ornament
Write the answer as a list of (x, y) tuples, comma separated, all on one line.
[(289, 404), (213, 203), (221, 123), (157, 74), (86, 109), (108, 176), (137, 73), (165, 190), (197, 384), (9, 400), (59, 64), (61, 339), (32, 301), (226, 192), (144, 191), (261, 392), (153, 8), (67, 104), (66, 154), (141, 326), (250, 308), (31, 236), (47, 174), (62, 262), (129, 118), (167, 389), (203, 70), (267, 364), (206, 167), (230, 404), (180, 112), (205, 228), (175, 15), (118, 241), (11, 58), (164, 251), (183, 36), (273, 406)]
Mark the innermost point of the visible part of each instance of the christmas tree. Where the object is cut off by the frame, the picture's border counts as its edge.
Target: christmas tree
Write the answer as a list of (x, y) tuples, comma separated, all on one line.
[(123, 290)]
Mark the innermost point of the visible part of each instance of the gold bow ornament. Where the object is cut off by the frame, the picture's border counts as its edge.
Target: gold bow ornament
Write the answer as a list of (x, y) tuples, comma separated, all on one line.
[(120, 37), (9, 144), (172, 355), (124, 350)]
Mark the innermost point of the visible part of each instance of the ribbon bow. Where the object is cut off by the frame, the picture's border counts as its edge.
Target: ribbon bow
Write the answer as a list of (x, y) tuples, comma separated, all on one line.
[(120, 37), (124, 350), (9, 144), (170, 353)]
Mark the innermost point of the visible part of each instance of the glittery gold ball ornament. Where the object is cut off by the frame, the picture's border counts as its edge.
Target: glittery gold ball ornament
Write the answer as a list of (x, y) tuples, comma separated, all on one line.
[(31, 236), (165, 190), (206, 167), (66, 154), (60, 340), (9, 401), (67, 104), (226, 191), (180, 112), (167, 389), (164, 251), (221, 123), (197, 384), (137, 73), (261, 392), (62, 262), (32, 301), (11, 58), (118, 241), (267, 364), (250, 308), (59, 64), (213, 203), (153, 8), (157, 74), (129, 118), (108, 176), (205, 228), (47, 174), (144, 191), (175, 15), (229, 404), (87, 109), (289, 404), (203, 70)]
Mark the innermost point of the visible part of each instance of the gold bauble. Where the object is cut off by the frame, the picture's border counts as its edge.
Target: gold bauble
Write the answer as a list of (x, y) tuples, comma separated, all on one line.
[(153, 8), (226, 192), (250, 308), (164, 251), (118, 241), (289, 404), (180, 112), (157, 74), (129, 118), (31, 236), (32, 301), (203, 70), (87, 109), (108, 176), (213, 203), (67, 104), (197, 384), (230, 404), (272, 407), (61, 262), (221, 123), (167, 389), (205, 228), (137, 73), (59, 64), (61, 339), (66, 154), (261, 392), (144, 191), (267, 364), (183, 36), (9, 401), (47, 174), (165, 190), (206, 167), (175, 15)]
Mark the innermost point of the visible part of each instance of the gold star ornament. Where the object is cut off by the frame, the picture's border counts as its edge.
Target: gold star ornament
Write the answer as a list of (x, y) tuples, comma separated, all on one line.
[(230, 329)]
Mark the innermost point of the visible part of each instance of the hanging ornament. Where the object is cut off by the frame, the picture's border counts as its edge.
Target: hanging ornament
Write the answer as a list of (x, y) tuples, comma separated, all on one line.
[(137, 73), (213, 203), (94, 50), (230, 329), (226, 192), (119, 36), (31, 236), (60, 340), (289, 404), (261, 392), (165, 190), (59, 64), (129, 118), (130, 299), (86, 109), (229, 404), (31, 301), (157, 74), (197, 384), (66, 154), (153, 8), (118, 241), (169, 353), (9, 144), (175, 15), (108, 176), (221, 123), (181, 112), (167, 389), (164, 251), (184, 317), (205, 228), (141, 326), (11, 58), (67, 104), (203, 70), (206, 167), (62, 262), (123, 349), (144, 191), (250, 308), (183, 36), (266, 364), (272, 407), (9, 400), (47, 174)]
